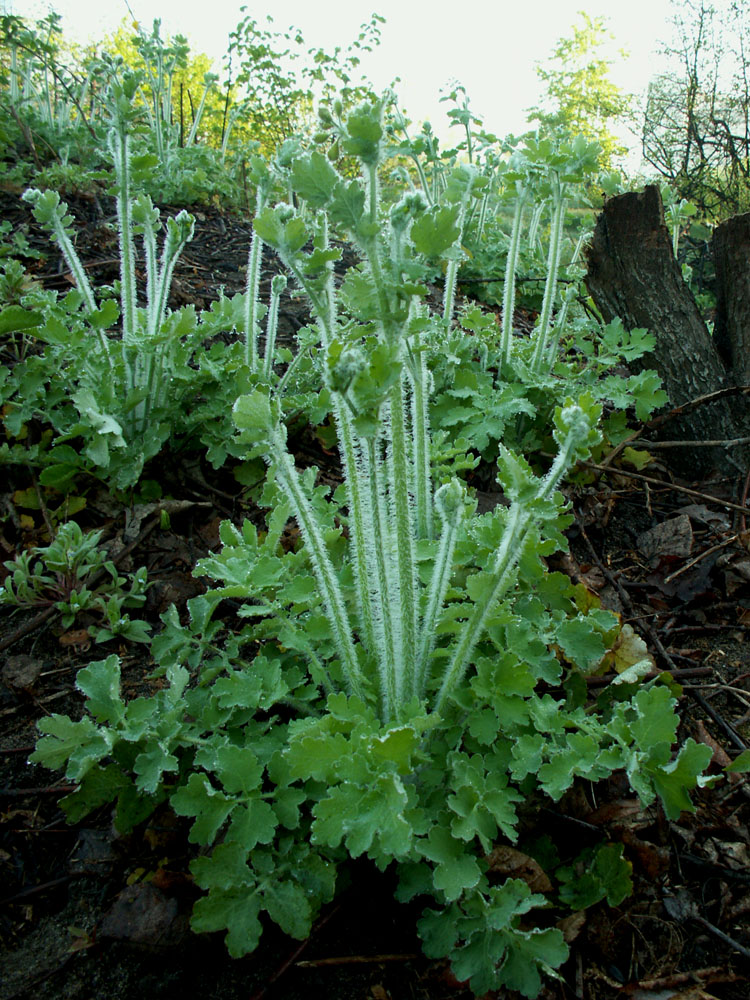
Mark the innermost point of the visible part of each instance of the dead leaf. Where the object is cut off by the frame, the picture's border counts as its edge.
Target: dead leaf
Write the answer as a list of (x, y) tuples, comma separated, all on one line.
[(671, 538), (620, 811), (93, 853), (680, 906), (720, 756), (135, 517), (171, 882), (629, 649), (78, 637), (515, 864), (572, 925), (736, 576), (730, 854), (652, 860), (701, 514), (209, 532)]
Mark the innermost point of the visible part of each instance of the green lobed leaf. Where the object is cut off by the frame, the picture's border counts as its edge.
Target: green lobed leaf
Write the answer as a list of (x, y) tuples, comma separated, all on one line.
[(281, 229), (436, 231), (209, 807), (286, 805), (235, 910), (100, 682), (225, 868), (133, 807), (106, 316), (238, 769), (528, 753), (348, 206), (150, 767), (362, 817), (75, 746), (98, 787), (316, 755), (596, 874), (581, 756), (364, 132), (740, 764), (252, 413), (16, 319), (314, 179), (486, 946), (530, 953), (655, 727), (455, 870), (673, 781), (288, 906), (482, 801), (581, 642), (253, 822), (397, 746)]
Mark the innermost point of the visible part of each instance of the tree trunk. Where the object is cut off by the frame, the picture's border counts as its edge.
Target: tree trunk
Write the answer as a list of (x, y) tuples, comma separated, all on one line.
[(633, 274)]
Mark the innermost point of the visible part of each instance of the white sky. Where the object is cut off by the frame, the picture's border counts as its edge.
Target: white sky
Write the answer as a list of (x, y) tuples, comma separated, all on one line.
[(490, 46)]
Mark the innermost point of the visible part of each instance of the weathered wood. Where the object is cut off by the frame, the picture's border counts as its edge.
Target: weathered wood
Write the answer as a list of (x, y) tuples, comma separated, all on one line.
[(633, 274), (731, 251)]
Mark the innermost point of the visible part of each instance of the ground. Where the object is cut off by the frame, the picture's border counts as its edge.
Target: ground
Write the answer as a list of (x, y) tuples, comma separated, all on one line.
[(88, 913)]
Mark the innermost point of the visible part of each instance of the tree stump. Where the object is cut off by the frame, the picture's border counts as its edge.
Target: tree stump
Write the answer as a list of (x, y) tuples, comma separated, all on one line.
[(633, 274)]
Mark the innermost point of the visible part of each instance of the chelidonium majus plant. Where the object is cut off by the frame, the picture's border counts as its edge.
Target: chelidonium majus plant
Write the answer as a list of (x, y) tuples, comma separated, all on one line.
[(411, 677)]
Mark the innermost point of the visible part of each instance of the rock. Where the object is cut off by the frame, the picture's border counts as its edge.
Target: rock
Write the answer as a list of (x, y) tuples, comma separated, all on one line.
[(21, 672), (145, 916)]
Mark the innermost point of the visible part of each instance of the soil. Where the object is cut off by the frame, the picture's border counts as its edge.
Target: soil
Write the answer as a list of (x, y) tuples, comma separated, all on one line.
[(87, 913)]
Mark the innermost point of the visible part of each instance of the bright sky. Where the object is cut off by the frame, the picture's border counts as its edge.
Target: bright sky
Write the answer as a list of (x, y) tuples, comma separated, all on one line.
[(490, 46)]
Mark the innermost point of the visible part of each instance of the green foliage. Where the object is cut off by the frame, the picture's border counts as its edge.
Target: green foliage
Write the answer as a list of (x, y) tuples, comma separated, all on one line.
[(278, 805), (67, 574), (47, 110), (126, 399), (487, 947), (601, 873)]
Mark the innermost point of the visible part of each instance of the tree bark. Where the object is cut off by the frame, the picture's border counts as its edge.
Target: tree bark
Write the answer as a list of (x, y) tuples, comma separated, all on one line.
[(633, 274), (731, 250)]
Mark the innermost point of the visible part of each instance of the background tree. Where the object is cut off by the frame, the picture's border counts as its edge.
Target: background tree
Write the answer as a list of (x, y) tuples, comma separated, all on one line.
[(581, 98), (275, 80), (696, 124), (131, 42)]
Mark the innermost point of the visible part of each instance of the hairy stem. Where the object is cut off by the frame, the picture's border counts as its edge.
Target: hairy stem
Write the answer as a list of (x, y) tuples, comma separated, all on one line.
[(278, 284), (509, 292), (252, 290), (550, 287), (398, 467), (451, 514), (322, 568), (520, 522)]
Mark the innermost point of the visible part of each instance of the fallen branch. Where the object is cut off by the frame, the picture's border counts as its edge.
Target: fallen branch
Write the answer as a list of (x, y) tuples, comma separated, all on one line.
[(670, 486), (315, 963)]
